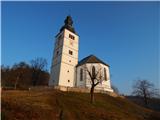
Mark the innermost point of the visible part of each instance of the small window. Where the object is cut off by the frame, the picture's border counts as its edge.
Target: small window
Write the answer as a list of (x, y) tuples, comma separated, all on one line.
[(68, 71), (57, 53), (105, 75), (68, 80), (71, 36), (70, 52), (69, 60), (94, 71), (81, 74)]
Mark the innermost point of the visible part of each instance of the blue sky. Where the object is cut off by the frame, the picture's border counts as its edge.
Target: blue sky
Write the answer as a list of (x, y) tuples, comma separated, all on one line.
[(123, 34)]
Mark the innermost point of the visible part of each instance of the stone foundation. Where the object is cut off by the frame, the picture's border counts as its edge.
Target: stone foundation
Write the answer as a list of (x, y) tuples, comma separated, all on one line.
[(84, 90), (73, 89)]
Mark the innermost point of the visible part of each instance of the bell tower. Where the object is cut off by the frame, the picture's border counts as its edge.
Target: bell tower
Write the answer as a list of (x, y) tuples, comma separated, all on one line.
[(65, 56)]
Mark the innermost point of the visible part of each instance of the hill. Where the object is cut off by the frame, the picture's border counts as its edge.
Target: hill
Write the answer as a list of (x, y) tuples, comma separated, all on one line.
[(153, 103), (58, 105)]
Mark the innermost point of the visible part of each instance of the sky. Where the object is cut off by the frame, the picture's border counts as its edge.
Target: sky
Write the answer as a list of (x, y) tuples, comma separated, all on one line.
[(125, 35)]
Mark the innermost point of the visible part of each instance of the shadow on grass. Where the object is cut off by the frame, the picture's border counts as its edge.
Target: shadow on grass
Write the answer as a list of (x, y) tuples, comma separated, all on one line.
[(154, 116)]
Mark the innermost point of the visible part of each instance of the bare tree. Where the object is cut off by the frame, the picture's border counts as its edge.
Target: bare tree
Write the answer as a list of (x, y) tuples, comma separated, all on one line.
[(19, 70), (38, 65), (96, 78), (21, 75), (17, 80), (144, 89), (4, 75)]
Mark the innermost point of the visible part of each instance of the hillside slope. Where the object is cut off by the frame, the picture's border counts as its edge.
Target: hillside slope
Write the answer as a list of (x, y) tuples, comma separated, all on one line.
[(153, 103), (57, 105)]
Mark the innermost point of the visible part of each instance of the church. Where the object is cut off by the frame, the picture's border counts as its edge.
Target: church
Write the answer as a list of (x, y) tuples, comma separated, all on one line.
[(67, 71)]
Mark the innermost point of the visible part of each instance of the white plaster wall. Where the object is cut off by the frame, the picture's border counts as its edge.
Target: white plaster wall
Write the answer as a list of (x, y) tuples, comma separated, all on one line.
[(80, 83), (64, 62), (67, 40), (69, 60), (65, 75), (54, 76), (56, 59), (66, 52), (59, 52), (59, 40)]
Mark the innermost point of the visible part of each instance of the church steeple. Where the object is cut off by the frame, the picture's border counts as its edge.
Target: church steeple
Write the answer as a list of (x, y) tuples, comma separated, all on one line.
[(68, 24), (68, 21), (65, 56)]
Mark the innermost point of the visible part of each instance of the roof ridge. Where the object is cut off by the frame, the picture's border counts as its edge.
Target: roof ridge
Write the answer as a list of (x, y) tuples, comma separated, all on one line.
[(91, 59)]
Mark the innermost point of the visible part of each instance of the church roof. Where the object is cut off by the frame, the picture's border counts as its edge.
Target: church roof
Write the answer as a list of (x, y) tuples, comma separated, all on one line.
[(91, 59), (68, 24)]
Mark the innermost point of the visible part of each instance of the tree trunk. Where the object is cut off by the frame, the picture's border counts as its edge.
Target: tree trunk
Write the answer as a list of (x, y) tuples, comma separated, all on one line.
[(35, 77), (16, 82), (92, 94), (145, 100)]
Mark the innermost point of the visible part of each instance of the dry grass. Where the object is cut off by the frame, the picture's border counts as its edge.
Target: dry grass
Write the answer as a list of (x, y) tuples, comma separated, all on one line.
[(57, 105)]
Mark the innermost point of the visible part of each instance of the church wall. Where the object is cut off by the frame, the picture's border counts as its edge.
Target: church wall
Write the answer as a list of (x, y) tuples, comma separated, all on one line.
[(67, 56), (79, 82), (56, 59), (73, 44), (54, 76), (63, 63), (59, 50), (67, 75), (104, 85), (68, 61), (59, 41)]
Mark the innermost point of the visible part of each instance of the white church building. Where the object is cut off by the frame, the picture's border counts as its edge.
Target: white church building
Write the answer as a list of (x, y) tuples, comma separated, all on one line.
[(67, 71)]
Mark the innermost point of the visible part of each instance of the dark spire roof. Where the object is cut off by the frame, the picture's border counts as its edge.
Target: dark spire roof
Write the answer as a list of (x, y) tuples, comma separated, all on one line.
[(91, 59), (68, 24)]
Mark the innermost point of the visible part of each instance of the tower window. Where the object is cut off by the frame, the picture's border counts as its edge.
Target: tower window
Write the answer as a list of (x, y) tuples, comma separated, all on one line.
[(57, 53), (68, 80), (81, 74), (94, 71), (70, 52), (71, 36), (105, 75)]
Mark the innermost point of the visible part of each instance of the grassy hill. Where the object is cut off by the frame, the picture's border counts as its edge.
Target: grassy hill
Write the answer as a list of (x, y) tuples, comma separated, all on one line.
[(153, 103), (57, 105)]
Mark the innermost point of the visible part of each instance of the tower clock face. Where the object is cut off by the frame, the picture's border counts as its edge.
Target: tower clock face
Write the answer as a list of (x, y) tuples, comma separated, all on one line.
[(71, 42)]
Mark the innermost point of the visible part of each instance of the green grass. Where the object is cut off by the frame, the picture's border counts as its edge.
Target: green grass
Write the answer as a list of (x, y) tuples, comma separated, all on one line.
[(57, 105)]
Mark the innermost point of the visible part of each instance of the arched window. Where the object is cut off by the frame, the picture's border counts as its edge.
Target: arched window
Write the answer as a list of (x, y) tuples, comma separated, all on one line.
[(93, 72), (81, 74), (105, 74)]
